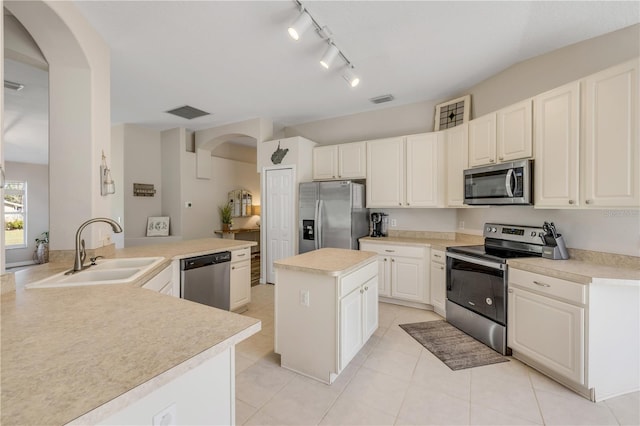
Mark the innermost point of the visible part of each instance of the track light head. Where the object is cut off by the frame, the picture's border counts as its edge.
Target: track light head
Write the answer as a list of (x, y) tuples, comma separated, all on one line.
[(329, 55), (300, 25), (350, 76)]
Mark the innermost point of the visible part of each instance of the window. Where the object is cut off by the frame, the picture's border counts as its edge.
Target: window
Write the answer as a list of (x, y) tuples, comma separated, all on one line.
[(15, 214)]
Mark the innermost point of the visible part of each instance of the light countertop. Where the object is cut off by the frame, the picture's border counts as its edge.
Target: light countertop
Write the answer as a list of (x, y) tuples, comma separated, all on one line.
[(574, 270), (67, 351), (435, 243), (327, 261)]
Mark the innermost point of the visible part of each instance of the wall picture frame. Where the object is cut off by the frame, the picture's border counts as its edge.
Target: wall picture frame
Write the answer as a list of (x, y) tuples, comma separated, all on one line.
[(158, 226), (452, 113)]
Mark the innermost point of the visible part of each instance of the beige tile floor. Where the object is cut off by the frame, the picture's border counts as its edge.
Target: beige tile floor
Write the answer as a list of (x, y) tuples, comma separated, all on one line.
[(393, 380)]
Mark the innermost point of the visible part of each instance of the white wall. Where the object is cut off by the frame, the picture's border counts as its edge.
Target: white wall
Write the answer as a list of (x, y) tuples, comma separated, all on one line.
[(142, 164), (37, 178)]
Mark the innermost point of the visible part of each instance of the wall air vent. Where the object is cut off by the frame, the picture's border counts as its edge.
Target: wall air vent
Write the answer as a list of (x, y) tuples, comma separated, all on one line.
[(187, 112), (382, 99)]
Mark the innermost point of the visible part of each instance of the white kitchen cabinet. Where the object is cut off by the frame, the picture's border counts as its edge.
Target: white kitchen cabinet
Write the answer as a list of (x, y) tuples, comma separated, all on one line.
[(406, 171), (322, 320), (610, 137), (502, 136), (240, 279), (345, 161), (482, 140), (587, 144), (385, 172), (582, 334), (514, 132), (557, 126), (457, 147), (549, 331), (438, 282), (358, 319), (402, 272)]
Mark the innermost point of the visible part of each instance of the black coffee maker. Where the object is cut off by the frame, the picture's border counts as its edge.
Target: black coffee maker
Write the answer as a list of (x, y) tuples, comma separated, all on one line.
[(379, 224)]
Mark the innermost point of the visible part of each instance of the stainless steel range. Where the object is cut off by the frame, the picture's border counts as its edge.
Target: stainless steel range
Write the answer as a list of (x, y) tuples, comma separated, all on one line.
[(477, 279)]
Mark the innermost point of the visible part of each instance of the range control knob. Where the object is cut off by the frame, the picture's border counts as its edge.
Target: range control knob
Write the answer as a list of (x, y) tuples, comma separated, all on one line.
[(494, 230)]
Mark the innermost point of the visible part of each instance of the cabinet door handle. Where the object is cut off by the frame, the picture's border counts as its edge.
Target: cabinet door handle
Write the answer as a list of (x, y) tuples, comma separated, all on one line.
[(500, 158), (393, 260), (492, 160), (408, 204), (233, 267), (588, 201), (571, 201), (442, 267), (510, 290), (542, 284), (361, 291), (366, 287), (399, 204), (385, 259)]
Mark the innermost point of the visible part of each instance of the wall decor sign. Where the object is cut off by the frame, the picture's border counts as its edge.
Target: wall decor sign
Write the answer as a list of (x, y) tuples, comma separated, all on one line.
[(452, 113), (278, 154), (158, 226)]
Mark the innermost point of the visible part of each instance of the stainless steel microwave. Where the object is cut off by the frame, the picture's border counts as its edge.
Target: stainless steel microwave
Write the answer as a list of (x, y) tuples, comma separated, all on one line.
[(500, 184)]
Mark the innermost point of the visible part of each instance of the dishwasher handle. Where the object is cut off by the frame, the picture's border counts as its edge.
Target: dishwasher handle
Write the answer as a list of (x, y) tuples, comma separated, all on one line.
[(206, 260)]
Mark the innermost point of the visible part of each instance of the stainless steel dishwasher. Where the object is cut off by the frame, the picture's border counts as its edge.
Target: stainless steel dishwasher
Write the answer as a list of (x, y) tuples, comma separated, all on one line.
[(205, 279)]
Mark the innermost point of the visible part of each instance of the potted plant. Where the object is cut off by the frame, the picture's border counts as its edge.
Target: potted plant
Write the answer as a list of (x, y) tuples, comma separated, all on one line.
[(41, 254), (225, 216)]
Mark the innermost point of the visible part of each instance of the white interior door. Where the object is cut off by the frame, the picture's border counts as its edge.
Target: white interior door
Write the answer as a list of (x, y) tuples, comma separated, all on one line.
[(279, 222)]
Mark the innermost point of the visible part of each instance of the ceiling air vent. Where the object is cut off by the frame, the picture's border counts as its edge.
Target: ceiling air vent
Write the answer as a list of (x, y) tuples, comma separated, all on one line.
[(382, 99), (187, 112)]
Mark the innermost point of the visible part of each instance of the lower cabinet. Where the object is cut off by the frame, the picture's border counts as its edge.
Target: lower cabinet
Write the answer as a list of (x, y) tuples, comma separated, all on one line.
[(240, 279), (548, 331), (402, 272), (358, 319), (583, 335), (323, 320), (438, 282)]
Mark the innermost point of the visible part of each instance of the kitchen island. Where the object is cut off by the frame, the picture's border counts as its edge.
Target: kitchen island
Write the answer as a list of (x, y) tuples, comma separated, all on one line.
[(118, 353), (326, 309)]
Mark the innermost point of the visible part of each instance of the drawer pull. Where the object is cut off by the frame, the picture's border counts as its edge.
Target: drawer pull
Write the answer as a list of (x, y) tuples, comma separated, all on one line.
[(436, 255), (390, 251), (243, 254), (542, 284), (233, 267), (442, 267)]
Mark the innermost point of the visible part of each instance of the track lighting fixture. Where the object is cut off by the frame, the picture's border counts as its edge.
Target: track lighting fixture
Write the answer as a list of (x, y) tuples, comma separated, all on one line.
[(329, 55), (300, 25), (350, 76)]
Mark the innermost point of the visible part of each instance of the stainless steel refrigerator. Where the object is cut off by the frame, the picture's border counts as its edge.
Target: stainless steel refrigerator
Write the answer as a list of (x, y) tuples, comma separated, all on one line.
[(331, 214)]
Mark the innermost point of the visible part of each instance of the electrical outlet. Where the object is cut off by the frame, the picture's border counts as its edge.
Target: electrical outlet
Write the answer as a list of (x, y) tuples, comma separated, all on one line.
[(394, 222), (166, 417)]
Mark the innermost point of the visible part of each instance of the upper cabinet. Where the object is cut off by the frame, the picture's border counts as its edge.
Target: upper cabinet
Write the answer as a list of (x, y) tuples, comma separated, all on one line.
[(406, 171), (345, 161), (586, 139), (502, 136), (610, 137), (457, 144), (557, 126), (482, 140)]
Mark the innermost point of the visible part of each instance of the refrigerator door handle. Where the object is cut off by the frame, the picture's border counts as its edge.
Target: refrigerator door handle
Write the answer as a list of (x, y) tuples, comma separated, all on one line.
[(315, 226), (319, 225)]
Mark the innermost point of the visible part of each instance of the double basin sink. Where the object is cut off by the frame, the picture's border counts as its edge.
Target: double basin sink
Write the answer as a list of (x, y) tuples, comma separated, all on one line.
[(106, 271)]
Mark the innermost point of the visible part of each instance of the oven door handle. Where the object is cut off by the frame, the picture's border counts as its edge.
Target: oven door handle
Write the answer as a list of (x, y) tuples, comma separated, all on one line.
[(477, 261)]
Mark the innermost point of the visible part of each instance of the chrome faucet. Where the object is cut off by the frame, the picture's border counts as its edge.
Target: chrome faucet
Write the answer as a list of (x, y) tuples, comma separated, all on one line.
[(78, 263)]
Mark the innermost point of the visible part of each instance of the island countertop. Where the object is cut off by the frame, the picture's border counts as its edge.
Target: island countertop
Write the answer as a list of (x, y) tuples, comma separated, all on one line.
[(67, 351), (327, 261)]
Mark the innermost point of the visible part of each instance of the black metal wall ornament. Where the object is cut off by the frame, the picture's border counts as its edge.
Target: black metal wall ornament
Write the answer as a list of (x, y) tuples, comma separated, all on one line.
[(278, 154)]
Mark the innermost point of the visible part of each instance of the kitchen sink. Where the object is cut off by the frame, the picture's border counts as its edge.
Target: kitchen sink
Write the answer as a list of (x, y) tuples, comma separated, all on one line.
[(107, 271)]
